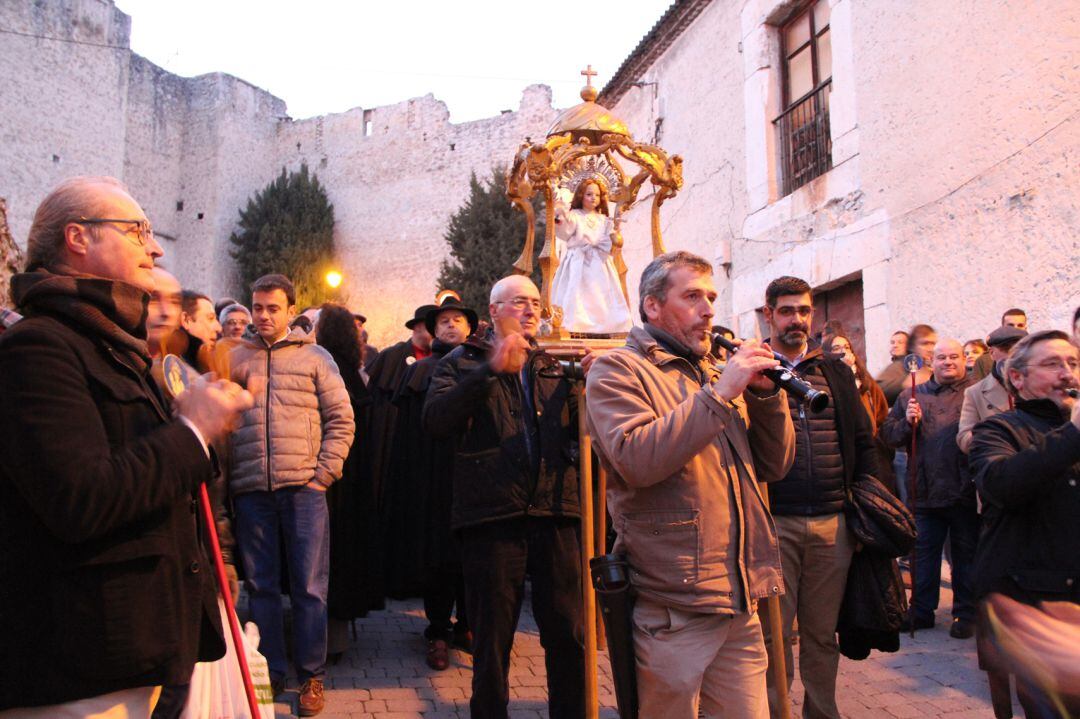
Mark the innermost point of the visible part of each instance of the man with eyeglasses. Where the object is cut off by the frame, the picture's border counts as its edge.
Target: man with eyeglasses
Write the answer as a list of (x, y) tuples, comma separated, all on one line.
[(944, 501), (833, 450), (105, 590), (515, 505), (1026, 464), (234, 319)]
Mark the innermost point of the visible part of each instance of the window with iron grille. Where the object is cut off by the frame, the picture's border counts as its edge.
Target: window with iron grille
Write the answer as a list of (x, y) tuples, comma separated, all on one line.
[(803, 127)]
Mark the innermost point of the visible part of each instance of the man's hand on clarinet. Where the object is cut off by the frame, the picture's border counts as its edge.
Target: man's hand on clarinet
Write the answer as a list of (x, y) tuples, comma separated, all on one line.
[(744, 369)]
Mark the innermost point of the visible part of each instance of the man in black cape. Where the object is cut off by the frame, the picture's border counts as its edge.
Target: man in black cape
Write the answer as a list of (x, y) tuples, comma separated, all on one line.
[(422, 556), (384, 378)]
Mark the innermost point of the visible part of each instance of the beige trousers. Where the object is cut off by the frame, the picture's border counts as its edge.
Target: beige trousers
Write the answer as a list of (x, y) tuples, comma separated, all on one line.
[(815, 553), (686, 656)]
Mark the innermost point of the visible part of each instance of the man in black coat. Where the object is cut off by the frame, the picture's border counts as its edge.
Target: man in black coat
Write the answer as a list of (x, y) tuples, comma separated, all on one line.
[(105, 591), (515, 506), (423, 558), (944, 497), (833, 449), (1027, 470)]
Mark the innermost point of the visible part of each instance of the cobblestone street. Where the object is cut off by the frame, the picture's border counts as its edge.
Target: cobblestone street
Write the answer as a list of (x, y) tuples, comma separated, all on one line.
[(384, 676)]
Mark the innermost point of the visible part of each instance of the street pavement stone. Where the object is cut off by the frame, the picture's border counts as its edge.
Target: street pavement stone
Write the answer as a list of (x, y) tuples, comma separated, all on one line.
[(384, 676)]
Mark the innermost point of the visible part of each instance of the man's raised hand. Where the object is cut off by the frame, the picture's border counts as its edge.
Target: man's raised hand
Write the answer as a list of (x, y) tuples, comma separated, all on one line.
[(744, 369)]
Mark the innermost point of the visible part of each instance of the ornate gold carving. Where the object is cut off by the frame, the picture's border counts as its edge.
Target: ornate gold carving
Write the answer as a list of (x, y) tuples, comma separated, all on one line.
[(587, 141)]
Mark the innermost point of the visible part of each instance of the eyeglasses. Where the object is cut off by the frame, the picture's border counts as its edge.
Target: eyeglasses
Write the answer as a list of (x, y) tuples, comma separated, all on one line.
[(520, 303), (144, 234), (1056, 365), (236, 323)]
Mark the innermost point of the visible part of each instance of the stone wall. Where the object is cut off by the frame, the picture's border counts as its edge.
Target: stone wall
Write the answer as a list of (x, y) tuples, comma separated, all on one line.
[(194, 150), (955, 140), (952, 193)]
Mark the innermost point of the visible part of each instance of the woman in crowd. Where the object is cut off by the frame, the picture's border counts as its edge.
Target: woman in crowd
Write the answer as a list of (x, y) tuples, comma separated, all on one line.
[(355, 587)]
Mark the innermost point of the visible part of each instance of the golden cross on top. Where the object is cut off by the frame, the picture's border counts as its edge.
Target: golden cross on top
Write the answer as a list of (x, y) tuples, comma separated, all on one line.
[(589, 74)]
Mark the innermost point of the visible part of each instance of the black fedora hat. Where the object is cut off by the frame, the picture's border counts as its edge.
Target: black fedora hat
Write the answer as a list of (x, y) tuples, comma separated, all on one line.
[(419, 315), (451, 303)]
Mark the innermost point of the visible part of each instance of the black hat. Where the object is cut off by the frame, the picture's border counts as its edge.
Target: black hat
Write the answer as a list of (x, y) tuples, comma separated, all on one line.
[(1005, 337), (419, 315), (450, 303)]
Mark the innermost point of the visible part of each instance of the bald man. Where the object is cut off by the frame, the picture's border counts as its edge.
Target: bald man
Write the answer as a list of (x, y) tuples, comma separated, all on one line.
[(515, 507), (944, 498), (163, 312)]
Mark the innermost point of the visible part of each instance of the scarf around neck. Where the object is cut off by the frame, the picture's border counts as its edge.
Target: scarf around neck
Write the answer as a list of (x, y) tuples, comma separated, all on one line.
[(111, 309)]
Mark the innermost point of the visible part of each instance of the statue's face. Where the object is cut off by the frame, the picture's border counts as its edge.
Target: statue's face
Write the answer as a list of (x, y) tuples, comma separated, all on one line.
[(590, 200)]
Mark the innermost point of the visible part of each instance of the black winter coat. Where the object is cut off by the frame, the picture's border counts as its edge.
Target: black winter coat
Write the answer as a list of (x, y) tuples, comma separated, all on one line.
[(1027, 469), (496, 474), (832, 449), (874, 602), (942, 476), (103, 583)]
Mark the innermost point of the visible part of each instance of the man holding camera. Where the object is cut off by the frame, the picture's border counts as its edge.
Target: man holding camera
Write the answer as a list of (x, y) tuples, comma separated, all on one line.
[(686, 446), (515, 505)]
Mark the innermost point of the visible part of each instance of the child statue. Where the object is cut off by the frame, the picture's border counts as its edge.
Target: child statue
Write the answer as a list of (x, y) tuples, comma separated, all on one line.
[(586, 285)]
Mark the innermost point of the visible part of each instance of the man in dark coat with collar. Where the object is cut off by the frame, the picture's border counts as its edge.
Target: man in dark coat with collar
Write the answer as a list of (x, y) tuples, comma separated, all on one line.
[(944, 498), (423, 558), (1026, 464), (516, 508), (833, 449), (105, 590)]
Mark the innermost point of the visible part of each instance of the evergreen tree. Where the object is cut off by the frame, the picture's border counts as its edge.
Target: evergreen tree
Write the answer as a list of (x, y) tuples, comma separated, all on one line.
[(288, 228), (486, 236)]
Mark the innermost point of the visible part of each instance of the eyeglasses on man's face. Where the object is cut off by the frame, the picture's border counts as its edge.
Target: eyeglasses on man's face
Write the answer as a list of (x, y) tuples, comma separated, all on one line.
[(520, 303), (139, 232)]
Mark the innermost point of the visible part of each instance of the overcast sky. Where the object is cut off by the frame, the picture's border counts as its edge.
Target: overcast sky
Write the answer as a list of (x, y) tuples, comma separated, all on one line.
[(324, 56)]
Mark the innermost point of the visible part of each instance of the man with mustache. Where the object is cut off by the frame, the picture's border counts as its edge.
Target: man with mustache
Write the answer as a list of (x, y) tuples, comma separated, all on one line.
[(687, 445), (833, 449), (1026, 464), (944, 501)]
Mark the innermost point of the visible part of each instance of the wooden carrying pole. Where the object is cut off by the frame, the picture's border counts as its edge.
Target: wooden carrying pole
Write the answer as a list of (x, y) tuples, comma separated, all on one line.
[(775, 649), (600, 546), (592, 696)]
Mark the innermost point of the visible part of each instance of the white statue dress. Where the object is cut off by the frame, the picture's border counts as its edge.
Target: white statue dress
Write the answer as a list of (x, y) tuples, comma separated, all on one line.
[(586, 285)]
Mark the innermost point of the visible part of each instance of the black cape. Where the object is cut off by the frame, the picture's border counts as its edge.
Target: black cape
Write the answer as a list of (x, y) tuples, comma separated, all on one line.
[(355, 542), (418, 494)]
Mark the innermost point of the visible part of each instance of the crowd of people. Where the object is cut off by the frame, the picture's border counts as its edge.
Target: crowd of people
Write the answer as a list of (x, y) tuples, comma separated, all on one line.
[(445, 467)]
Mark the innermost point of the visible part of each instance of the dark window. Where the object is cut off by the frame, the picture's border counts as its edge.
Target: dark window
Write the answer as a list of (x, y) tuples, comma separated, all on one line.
[(803, 127)]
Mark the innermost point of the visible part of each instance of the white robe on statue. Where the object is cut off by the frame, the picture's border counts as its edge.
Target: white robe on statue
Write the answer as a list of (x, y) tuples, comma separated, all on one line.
[(586, 285)]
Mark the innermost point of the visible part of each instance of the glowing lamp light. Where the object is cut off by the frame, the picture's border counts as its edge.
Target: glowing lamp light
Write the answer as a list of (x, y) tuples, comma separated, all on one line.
[(333, 278)]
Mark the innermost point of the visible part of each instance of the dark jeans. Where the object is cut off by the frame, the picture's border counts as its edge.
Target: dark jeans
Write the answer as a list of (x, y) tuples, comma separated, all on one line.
[(961, 525), (299, 515), (496, 557), (444, 591)]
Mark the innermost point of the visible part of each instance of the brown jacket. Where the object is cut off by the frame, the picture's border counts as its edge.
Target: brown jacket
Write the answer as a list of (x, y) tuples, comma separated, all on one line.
[(684, 466)]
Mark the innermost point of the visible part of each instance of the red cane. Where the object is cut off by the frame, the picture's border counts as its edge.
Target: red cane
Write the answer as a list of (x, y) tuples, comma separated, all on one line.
[(223, 586), (914, 472)]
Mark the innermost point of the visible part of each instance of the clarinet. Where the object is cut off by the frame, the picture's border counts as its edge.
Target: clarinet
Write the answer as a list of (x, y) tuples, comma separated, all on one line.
[(795, 385)]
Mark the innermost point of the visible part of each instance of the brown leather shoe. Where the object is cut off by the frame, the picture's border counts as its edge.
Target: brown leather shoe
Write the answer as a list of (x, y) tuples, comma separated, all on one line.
[(438, 654), (311, 698)]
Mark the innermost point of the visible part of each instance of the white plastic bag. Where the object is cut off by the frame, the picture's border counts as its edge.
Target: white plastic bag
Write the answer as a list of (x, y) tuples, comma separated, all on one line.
[(217, 688)]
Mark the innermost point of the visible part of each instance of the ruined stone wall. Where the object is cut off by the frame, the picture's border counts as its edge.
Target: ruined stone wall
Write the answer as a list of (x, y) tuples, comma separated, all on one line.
[(194, 150), (394, 191)]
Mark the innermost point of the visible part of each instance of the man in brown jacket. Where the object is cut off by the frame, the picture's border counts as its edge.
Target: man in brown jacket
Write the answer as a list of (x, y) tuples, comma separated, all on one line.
[(686, 446)]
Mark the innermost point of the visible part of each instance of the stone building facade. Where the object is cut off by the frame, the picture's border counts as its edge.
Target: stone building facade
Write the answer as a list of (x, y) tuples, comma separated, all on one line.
[(955, 141), (949, 192)]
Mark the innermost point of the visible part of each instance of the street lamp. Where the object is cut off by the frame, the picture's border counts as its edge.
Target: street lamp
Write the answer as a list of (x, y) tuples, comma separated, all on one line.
[(333, 279)]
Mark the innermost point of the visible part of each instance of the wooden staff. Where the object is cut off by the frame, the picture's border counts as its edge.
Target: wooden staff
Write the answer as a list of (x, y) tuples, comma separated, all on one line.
[(600, 546), (585, 486), (775, 649)]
